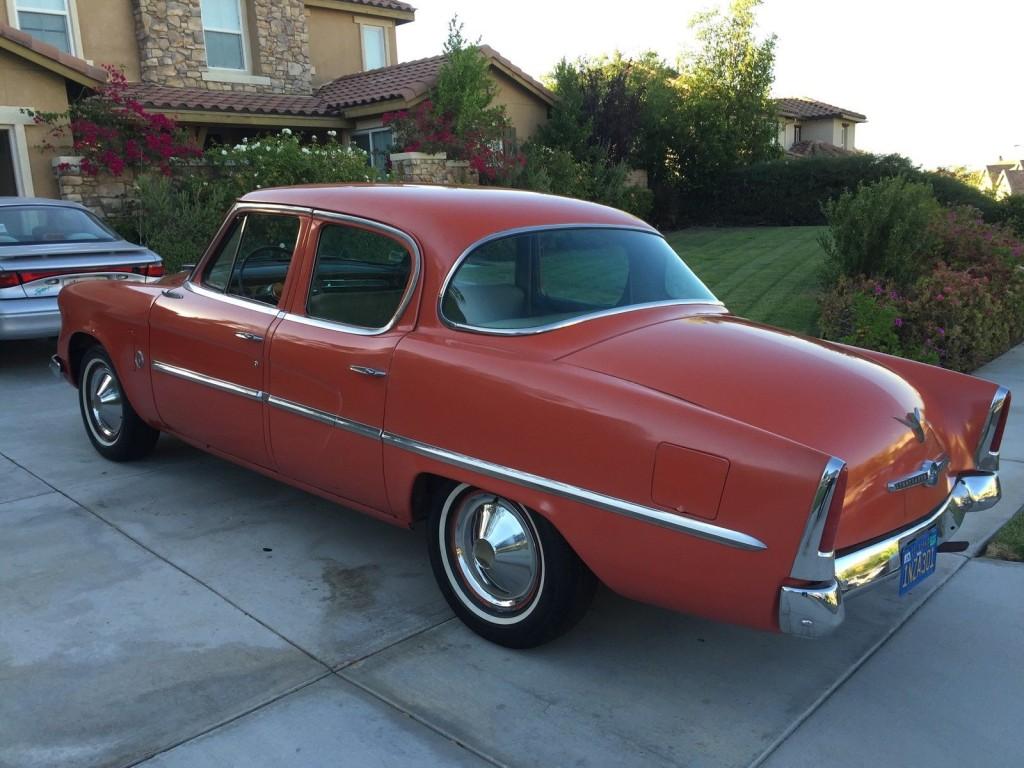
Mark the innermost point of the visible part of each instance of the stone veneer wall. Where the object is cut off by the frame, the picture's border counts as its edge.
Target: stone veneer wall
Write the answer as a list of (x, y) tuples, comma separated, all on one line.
[(103, 195), (420, 168), (172, 50)]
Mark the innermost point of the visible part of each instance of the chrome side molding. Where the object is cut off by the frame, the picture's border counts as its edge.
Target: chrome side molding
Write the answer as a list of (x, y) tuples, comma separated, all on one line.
[(658, 517), (209, 381)]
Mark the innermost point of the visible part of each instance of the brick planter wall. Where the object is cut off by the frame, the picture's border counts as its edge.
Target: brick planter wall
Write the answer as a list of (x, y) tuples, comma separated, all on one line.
[(421, 168)]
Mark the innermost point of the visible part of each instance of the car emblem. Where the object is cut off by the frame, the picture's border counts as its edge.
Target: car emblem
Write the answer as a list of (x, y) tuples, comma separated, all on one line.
[(915, 421), (928, 474)]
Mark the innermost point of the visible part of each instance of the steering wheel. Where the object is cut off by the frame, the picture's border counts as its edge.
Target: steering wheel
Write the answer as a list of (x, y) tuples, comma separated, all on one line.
[(286, 254)]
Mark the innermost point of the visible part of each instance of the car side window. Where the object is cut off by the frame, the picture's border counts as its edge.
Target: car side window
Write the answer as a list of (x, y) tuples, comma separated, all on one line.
[(254, 259), (359, 278)]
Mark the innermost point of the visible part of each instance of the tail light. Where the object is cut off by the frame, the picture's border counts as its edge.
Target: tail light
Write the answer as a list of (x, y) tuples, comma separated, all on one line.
[(11, 279), (987, 455)]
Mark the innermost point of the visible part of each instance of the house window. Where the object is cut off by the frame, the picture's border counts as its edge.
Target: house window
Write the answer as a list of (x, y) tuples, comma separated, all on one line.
[(796, 134), (46, 20), (224, 32), (375, 49), (377, 143)]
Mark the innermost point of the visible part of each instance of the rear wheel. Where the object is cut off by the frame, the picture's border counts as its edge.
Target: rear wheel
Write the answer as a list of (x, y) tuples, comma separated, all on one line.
[(113, 426), (504, 570)]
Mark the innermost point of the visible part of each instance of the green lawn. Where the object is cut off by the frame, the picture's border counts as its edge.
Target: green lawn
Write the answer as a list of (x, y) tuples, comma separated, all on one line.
[(769, 274), (1008, 544)]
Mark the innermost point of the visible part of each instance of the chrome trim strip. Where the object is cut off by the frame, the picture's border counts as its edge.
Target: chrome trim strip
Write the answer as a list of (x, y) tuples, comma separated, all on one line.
[(564, 323), (811, 564), (983, 457), (674, 522), (229, 299), (324, 418), (209, 381)]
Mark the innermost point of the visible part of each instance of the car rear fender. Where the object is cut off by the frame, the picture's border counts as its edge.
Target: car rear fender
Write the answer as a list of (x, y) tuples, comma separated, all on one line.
[(580, 448)]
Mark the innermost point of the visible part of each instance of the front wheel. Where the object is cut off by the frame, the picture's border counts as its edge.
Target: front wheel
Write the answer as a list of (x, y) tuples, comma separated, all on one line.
[(504, 570), (113, 426)]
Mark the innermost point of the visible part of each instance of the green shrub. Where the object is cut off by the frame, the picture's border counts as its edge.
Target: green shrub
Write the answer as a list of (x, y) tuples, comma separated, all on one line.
[(1011, 212), (794, 191), (881, 230), (177, 216), (558, 172)]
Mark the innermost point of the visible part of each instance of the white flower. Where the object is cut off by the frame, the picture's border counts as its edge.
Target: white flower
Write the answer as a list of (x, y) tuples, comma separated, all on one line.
[(313, 137), (332, 134), (286, 131), (305, 150), (223, 151)]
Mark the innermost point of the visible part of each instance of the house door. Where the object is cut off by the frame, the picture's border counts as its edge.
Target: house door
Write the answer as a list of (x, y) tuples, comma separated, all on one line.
[(8, 171)]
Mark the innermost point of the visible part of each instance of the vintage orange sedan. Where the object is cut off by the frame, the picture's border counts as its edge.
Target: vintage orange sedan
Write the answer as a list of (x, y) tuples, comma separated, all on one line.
[(548, 387)]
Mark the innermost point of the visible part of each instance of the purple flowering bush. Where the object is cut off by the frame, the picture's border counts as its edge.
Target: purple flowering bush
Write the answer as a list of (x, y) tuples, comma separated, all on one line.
[(958, 304)]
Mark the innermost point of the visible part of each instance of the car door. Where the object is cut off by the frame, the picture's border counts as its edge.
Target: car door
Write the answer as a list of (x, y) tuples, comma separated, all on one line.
[(330, 356), (208, 337)]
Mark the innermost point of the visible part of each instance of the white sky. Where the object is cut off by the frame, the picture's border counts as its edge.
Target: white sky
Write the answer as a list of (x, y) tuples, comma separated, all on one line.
[(940, 81)]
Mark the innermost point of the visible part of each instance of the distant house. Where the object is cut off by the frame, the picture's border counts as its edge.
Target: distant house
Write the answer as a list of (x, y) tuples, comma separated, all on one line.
[(1003, 178), (224, 70), (808, 127)]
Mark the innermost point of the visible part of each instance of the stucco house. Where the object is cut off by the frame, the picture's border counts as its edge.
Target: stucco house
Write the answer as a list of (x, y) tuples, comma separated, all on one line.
[(811, 127), (224, 69), (1003, 178)]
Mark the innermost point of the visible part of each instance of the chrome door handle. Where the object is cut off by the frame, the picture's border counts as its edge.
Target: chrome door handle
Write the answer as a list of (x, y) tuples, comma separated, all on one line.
[(172, 294), (245, 335), (364, 370)]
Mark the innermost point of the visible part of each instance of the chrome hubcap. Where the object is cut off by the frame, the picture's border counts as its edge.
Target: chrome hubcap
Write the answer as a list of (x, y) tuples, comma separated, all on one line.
[(104, 401), (495, 551)]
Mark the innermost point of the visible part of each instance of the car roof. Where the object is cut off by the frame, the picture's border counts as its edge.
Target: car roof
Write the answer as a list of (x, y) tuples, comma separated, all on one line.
[(445, 219), (22, 201)]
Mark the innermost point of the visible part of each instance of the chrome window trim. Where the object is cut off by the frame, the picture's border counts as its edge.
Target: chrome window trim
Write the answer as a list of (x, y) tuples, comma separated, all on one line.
[(674, 522), (209, 381), (324, 417), (562, 323), (810, 563), (984, 458), (629, 509), (237, 301), (410, 288)]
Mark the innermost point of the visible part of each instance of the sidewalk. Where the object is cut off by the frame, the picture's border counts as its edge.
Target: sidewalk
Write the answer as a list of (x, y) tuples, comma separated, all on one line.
[(948, 688)]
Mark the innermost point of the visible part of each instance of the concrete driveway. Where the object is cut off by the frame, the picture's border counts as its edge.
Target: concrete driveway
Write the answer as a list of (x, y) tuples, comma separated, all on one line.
[(183, 612)]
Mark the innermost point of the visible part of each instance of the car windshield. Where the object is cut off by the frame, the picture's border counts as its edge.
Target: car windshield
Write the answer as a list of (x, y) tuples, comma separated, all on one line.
[(533, 280), (40, 224)]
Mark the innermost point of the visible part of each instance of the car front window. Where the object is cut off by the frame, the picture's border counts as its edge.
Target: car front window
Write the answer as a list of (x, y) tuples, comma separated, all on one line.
[(536, 279), (42, 224)]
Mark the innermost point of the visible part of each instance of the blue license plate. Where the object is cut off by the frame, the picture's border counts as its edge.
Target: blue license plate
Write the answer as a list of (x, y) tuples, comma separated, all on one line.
[(917, 559)]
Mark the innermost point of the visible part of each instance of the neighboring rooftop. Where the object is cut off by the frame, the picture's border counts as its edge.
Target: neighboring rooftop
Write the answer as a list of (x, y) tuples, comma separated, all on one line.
[(818, 149), (809, 109), (1015, 181)]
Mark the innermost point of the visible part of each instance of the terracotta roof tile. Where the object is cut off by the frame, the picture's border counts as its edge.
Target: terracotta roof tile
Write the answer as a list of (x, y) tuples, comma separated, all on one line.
[(167, 97), (408, 81), (810, 108), (53, 53), (391, 5)]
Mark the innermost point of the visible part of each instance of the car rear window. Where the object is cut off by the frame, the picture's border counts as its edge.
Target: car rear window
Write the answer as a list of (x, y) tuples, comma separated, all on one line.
[(539, 279), (40, 224)]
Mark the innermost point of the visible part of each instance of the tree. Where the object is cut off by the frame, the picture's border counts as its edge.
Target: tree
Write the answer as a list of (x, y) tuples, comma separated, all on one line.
[(729, 119)]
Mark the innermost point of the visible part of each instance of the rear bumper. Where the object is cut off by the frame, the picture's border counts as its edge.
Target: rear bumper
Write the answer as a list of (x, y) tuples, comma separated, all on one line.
[(29, 318), (816, 610)]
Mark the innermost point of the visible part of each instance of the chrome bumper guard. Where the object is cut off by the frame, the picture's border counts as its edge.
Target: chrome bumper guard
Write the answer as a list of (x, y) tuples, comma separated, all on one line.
[(817, 610), (57, 367)]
